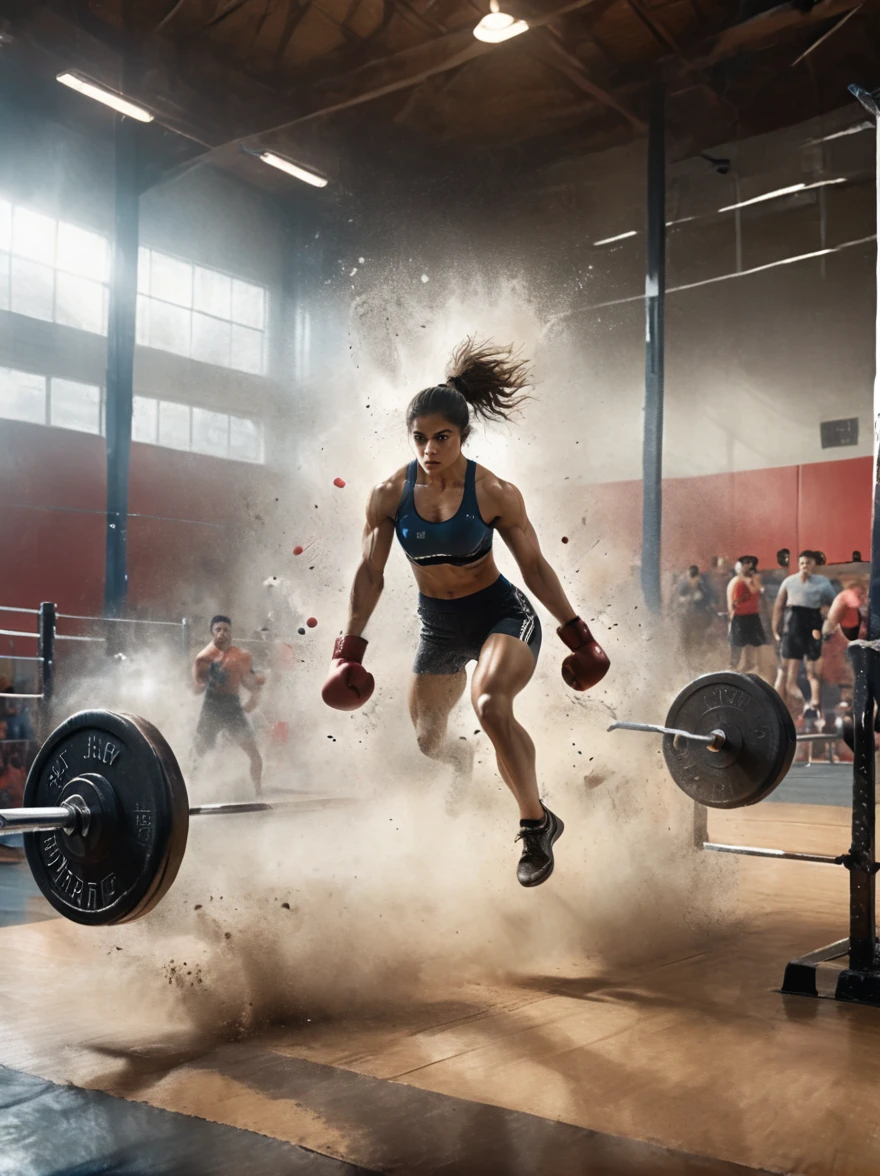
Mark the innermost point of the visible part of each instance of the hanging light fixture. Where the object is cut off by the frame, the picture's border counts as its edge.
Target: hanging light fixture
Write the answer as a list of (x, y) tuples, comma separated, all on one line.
[(499, 26)]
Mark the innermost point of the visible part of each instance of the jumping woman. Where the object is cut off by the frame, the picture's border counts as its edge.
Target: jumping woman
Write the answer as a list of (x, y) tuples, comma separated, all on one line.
[(445, 510)]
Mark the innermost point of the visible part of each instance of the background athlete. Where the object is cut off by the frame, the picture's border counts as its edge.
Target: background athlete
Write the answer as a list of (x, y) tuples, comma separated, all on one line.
[(797, 625), (445, 510), (221, 670)]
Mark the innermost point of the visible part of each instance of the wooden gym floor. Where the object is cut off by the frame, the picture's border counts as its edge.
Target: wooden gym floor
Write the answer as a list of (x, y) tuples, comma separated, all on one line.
[(691, 1064)]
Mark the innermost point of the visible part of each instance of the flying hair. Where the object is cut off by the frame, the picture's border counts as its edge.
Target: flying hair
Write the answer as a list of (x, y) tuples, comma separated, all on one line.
[(482, 378)]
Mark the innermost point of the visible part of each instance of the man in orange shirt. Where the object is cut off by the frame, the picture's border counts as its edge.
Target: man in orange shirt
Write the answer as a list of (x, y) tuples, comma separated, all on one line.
[(220, 670)]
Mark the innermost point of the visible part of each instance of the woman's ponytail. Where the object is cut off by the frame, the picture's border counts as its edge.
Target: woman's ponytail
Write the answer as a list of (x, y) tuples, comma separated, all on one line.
[(482, 378)]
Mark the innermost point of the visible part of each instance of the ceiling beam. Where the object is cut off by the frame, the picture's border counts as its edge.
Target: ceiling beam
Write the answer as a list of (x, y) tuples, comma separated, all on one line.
[(769, 26)]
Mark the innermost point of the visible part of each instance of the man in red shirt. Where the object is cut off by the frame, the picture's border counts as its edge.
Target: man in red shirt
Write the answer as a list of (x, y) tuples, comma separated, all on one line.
[(746, 631), (220, 672)]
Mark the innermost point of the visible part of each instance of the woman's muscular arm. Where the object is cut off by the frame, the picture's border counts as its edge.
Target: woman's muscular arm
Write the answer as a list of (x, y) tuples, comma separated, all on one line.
[(515, 528), (369, 579)]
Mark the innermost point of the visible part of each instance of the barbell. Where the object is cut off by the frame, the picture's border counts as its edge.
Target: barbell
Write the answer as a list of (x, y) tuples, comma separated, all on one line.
[(106, 817), (729, 739), (106, 813)]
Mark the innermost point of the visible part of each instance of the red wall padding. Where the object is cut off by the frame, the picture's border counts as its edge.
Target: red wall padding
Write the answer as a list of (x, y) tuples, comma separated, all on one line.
[(824, 506), (59, 554)]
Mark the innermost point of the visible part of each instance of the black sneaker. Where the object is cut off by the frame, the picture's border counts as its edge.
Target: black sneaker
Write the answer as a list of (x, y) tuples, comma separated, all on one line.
[(536, 863)]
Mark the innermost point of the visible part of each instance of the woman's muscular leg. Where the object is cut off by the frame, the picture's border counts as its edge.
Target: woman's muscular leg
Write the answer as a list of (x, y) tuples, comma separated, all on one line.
[(431, 699), (506, 664)]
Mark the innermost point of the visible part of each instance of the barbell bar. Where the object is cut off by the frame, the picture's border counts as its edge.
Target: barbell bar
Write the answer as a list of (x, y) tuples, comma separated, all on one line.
[(106, 813), (67, 815), (106, 817)]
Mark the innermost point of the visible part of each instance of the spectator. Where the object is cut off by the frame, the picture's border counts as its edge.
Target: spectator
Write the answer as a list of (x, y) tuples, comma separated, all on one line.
[(744, 608), (797, 624), (719, 576), (696, 605), (12, 776), (18, 721), (849, 612)]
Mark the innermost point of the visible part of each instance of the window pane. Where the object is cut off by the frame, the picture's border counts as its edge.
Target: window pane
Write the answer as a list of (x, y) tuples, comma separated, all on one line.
[(4, 281), (33, 235), (22, 396), (210, 339), (168, 327), (32, 289), (5, 224), (74, 406), (142, 322), (80, 303), (245, 439), (210, 432), (247, 350), (170, 279), (82, 252), (248, 304), (143, 270), (213, 293), (173, 424), (145, 420)]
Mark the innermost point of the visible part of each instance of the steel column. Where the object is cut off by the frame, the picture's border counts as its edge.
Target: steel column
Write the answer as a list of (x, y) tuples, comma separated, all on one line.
[(655, 295), (120, 359)]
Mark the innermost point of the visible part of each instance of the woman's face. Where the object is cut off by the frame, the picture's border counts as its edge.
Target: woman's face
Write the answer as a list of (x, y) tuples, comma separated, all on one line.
[(436, 441)]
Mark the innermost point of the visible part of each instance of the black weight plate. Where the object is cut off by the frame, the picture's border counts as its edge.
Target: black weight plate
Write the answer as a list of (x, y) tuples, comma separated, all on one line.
[(121, 766), (759, 747)]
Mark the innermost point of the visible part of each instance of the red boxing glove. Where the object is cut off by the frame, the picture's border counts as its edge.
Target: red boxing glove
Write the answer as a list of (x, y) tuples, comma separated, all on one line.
[(348, 684), (588, 663)]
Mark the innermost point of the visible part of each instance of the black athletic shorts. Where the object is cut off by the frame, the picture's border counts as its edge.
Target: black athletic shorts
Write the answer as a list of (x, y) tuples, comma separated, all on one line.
[(746, 630), (454, 631), (797, 633), (221, 712)]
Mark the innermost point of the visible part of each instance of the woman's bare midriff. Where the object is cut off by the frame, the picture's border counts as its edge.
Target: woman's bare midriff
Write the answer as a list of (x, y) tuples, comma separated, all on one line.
[(447, 582)]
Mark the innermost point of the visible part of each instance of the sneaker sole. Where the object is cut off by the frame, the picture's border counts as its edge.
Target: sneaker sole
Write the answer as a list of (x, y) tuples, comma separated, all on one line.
[(560, 829)]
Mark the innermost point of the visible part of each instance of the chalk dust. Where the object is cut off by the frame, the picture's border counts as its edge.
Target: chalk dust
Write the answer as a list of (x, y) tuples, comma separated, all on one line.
[(280, 918)]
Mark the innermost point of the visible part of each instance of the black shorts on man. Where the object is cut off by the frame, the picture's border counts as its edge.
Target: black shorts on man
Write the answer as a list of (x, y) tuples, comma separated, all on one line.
[(797, 633), (221, 712), (746, 630), (454, 631)]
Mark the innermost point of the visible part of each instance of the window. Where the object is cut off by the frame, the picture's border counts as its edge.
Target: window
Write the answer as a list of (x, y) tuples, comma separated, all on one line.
[(174, 425), (201, 313), (22, 396), (198, 430), (68, 404), (53, 270), (74, 406)]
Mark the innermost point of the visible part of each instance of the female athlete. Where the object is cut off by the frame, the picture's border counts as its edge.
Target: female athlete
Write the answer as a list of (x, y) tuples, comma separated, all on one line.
[(445, 510)]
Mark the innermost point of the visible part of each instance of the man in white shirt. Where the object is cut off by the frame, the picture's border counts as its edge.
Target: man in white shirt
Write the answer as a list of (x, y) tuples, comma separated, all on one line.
[(800, 608)]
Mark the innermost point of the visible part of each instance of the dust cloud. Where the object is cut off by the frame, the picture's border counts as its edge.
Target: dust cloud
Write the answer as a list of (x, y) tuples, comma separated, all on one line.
[(336, 910)]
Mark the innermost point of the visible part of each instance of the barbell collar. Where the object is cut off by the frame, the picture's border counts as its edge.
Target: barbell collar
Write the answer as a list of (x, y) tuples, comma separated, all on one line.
[(714, 741)]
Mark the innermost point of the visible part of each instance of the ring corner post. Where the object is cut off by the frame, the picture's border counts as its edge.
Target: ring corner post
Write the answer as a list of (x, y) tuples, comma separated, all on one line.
[(46, 654), (655, 297)]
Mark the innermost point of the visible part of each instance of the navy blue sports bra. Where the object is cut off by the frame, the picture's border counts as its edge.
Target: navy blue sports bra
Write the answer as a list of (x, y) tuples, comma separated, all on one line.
[(461, 540)]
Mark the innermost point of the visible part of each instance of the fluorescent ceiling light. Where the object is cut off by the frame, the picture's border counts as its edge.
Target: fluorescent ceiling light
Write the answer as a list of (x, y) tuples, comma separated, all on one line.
[(619, 237), (100, 94), (498, 26), (782, 192), (301, 173), (853, 130)]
